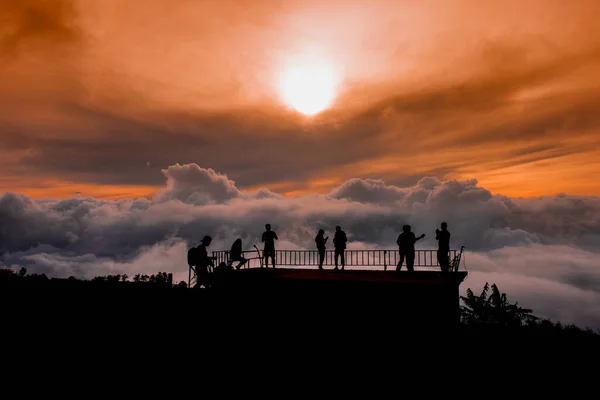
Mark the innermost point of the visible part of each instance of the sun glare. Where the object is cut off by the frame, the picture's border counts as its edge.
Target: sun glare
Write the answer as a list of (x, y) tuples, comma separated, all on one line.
[(309, 88)]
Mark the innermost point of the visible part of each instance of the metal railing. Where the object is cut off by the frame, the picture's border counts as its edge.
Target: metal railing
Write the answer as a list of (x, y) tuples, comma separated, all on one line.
[(353, 258)]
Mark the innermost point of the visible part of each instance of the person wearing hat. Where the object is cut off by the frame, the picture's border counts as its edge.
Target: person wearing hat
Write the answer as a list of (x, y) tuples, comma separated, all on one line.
[(203, 261)]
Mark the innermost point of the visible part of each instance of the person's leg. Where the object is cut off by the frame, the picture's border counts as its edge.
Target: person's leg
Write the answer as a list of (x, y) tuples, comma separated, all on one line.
[(242, 261), (273, 259), (336, 254), (410, 261), (321, 258), (399, 267), (342, 259), (201, 276), (442, 260)]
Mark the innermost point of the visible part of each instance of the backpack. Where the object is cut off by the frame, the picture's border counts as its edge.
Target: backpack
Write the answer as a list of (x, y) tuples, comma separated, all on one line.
[(192, 256)]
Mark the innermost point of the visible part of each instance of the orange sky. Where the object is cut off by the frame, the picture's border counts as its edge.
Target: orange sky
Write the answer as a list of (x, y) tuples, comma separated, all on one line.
[(98, 97)]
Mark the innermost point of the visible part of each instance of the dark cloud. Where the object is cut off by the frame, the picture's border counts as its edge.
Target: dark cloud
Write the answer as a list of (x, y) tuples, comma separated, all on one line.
[(117, 149), (550, 240), (34, 24)]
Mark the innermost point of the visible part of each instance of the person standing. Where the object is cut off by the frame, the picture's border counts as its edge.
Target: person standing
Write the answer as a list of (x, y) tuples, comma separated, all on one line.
[(321, 240), (406, 245), (339, 243), (268, 238), (443, 253)]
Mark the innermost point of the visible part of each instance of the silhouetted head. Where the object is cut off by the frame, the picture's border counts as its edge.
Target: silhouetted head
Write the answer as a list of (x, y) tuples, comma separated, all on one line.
[(238, 242), (444, 226), (406, 228), (268, 227), (321, 232), (338, 228), (206, 240)]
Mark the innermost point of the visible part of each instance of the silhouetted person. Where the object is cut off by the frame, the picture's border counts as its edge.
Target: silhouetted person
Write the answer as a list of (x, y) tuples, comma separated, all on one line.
[(269, 237), (406, 244), (339, 244), (235, 254), (443, 238), (202, 261), (321, 240)]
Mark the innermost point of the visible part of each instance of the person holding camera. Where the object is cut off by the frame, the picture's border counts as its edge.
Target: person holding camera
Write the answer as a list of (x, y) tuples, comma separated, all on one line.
[(321, 240), (443, 253)]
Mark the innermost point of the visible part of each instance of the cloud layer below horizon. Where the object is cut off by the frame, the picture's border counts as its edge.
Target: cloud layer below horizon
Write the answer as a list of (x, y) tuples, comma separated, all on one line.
[(541, 251)]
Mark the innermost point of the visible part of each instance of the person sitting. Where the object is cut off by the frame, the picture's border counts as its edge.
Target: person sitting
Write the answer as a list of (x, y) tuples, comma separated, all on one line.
[(235, 254)]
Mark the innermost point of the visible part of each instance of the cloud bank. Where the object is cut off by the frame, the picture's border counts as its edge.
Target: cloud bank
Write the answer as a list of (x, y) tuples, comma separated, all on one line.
[(542, 251)]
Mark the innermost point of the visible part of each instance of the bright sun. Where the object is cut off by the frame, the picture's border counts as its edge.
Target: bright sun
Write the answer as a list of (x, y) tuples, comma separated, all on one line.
[(309, 88)]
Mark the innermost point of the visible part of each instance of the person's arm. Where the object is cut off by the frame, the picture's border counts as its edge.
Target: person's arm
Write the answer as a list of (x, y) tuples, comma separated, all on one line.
[(275, 236), (398, 240), (263, 237), (326, 239), (420, 237), (437, 234)]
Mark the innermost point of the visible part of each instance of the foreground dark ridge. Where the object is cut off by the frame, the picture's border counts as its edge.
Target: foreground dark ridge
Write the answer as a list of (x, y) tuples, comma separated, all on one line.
[(258, 301)]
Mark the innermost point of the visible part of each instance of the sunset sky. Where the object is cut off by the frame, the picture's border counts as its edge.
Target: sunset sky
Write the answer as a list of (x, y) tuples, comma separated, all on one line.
[(129, 129), (99, 97)]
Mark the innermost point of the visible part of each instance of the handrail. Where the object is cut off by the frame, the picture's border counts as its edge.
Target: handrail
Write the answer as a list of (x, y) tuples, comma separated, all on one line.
[(353, 258)]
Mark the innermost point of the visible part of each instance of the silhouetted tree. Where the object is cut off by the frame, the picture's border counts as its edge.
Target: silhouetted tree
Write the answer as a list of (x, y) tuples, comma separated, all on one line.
[(182, 285), (493, 309), (23, 271)]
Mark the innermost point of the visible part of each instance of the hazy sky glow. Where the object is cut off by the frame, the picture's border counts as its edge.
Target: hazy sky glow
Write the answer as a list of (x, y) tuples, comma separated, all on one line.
[(175, 119), (97, 97)]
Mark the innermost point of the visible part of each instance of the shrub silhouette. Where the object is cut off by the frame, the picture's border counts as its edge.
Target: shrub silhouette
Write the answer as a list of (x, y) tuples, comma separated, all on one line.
[(493, 309)]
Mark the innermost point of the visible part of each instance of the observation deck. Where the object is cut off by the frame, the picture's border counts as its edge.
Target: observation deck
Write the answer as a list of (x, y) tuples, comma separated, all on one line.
[(369, 288)]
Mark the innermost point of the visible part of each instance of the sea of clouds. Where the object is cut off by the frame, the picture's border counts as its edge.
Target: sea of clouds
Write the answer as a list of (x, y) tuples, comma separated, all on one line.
[(543, 252)]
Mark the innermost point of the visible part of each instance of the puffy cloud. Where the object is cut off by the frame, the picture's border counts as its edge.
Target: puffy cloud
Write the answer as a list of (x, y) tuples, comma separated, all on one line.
[(194, 185), (547, 241), (368, 190)]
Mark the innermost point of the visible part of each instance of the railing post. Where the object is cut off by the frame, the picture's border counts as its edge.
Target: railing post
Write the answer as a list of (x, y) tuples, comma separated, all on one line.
[(384, 260)]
